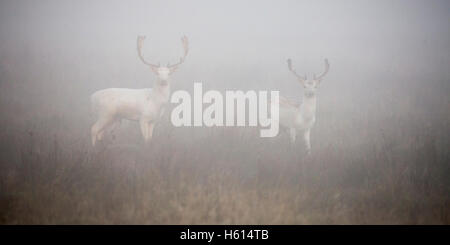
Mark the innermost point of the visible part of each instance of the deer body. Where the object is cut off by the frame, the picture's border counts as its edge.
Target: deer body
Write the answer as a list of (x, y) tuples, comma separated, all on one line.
[(143, 105), (131, 104), (301, 118)]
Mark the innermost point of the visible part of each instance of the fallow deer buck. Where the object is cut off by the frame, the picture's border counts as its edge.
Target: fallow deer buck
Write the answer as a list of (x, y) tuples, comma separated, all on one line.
[(294, 117), (143, 105)]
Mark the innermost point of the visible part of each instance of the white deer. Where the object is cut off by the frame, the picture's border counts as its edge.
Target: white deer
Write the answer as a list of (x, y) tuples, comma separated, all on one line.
[(294, 117), (142, 105)]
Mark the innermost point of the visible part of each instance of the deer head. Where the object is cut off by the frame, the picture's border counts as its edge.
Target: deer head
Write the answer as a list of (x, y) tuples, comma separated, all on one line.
[(163, 72), (310, 85)]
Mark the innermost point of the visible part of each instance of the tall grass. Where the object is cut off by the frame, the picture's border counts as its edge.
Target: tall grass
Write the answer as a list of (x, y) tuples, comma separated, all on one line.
[(385, 167)]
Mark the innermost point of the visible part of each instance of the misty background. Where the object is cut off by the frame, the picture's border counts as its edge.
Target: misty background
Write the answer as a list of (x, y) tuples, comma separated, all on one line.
[(386, 93)]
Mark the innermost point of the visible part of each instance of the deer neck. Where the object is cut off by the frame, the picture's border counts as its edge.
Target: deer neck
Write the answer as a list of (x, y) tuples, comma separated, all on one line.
[(308, 106), (161, 91)]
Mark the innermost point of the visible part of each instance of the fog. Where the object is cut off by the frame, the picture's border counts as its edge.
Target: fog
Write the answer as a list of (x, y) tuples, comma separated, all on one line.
[(383, 119)]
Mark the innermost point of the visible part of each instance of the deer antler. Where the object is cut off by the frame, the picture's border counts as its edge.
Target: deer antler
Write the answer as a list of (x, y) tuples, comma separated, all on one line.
[(289, 61), (327, 67), (185, 43), (140, 41)]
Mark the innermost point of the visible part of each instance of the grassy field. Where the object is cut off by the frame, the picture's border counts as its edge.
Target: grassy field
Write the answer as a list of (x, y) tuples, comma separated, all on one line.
[(386, 164), (380, 145)]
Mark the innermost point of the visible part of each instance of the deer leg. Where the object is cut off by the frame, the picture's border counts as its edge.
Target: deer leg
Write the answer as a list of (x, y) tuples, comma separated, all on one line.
[(113, 128), (147, 130), (97, 129), (101, 133), (150, 131), (307, 141), (110, 127), (292, 134), (93, 136), (144, 129)]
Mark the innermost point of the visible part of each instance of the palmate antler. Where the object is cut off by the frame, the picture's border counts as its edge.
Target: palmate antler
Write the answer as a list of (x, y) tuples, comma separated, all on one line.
[(300, 78), (185, 43), (327, 67), (140, 41)]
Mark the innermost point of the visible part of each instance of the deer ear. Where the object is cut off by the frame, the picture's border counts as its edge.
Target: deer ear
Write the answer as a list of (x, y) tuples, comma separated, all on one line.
[(154, 69)]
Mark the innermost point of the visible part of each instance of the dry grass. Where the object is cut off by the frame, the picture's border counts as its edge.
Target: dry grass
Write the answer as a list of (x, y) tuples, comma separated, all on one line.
[(397, 174), (380, 146)]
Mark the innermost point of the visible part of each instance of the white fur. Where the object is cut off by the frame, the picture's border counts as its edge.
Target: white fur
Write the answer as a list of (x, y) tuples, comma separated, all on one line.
[(301, 118), (143, 105)]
